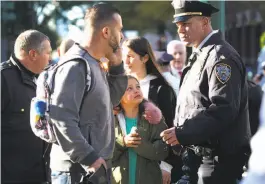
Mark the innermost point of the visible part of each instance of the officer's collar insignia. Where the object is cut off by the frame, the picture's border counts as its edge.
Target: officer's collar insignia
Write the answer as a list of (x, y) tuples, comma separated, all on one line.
[(222, 57), (223, 72)]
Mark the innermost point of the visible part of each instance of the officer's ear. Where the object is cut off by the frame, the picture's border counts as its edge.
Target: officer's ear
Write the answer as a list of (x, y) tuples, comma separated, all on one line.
[(206, 21)]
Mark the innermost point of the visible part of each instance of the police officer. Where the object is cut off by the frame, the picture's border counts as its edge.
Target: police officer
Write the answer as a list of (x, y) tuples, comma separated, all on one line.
[(22, 152), (212, 120)]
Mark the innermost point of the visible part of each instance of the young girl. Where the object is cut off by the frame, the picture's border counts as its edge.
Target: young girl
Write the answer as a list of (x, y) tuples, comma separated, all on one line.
[(139, 147), (139, 61)]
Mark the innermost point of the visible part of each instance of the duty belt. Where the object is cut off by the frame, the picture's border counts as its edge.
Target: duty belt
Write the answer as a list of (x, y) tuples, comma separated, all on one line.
[(201, 151), (198, 150)]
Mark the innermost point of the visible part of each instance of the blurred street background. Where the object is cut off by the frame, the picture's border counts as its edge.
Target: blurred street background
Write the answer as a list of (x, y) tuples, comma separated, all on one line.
[(241, 22)]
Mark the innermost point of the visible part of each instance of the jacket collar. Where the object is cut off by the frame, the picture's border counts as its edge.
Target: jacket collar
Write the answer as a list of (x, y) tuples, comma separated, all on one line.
[(213, 40), (203, 51), (206, 39), (28, 77)]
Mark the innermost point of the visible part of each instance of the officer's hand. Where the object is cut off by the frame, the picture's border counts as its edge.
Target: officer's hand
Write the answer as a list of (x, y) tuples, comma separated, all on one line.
[(166, 177), (115, 58), (169, 136), (96, 165), (132, 140)]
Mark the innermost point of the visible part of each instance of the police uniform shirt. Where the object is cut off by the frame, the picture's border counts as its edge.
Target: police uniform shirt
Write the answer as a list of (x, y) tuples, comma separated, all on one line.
[(212, 95), (195, 50)]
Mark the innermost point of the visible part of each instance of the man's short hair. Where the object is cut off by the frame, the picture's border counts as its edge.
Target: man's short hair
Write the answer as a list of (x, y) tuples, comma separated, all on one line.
[(99, 14), (30, 39), (171, 45), (65, 45)]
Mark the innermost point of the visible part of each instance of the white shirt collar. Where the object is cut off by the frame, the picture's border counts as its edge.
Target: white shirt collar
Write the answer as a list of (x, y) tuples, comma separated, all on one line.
[(205, 40), (145, 85), (148, 78)]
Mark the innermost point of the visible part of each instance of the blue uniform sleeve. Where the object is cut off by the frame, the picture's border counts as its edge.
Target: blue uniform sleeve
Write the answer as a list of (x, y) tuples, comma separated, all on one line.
[(225, 85)]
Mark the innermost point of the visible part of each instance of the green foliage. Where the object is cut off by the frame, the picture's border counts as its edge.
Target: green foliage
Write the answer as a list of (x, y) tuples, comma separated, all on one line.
[(137, 15), (142, 15)]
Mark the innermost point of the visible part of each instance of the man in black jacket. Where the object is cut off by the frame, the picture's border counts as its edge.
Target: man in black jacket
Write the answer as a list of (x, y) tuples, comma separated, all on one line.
[(22, 152), (212, 120)]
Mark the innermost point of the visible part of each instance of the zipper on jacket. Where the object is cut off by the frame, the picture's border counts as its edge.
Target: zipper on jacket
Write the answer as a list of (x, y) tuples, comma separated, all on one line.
[(139, 174)]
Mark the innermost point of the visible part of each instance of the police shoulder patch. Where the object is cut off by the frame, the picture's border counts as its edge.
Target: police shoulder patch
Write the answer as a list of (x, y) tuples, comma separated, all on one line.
[(223, 72)]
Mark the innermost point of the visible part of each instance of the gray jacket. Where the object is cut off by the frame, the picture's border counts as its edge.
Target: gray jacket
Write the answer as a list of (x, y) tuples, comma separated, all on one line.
[(84, 130)]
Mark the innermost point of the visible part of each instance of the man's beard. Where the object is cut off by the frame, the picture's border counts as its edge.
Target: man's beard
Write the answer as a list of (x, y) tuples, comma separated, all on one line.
[(113, 43)]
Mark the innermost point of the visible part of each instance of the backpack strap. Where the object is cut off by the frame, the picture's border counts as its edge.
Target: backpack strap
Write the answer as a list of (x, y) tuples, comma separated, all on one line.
[(88, 74), (49, 87), (66, 60)]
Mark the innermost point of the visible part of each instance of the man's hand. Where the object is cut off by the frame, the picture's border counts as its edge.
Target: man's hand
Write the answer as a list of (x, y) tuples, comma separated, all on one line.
[(166, 177), (116, 110), (169, 136), (257, 78), (132, 140), (96, 165), (115, 58)]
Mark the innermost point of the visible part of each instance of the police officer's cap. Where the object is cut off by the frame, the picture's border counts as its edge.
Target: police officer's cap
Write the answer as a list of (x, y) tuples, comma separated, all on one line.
[(164, 58), (184, 10)]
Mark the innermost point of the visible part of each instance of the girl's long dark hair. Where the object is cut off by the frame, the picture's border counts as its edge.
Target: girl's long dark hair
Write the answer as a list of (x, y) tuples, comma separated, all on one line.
[(141, 46)]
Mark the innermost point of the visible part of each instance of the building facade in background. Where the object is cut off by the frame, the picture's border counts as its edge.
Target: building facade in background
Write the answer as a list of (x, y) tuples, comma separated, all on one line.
[(245, 23)]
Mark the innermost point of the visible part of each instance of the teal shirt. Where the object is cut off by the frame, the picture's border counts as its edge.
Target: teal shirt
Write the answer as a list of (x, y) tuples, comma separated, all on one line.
[(131, 122)]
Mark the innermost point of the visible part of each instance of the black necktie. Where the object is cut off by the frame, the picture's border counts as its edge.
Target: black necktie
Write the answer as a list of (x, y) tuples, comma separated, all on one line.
[(193, 58)]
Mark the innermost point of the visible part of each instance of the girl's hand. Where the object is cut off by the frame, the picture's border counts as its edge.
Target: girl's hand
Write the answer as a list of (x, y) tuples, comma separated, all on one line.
[(132, 140)]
